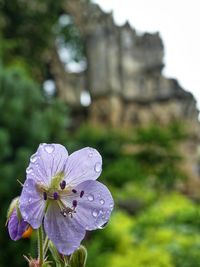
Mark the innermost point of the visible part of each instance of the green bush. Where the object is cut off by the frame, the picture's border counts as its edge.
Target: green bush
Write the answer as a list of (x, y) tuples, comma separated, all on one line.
[(26, 120)]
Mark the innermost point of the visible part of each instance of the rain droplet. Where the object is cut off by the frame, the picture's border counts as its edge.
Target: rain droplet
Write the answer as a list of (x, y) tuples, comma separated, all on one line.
[(29, 201), (103, 225), (90, 154), (29, 170), (25, 217), (33, 158), (111, 205), (49, 148), (97, 167), (102, 201), (90, 197), (95, 213)]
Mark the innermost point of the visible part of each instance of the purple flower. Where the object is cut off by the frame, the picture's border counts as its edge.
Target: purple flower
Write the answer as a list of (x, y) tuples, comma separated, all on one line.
[(16, 226), (62, 190)]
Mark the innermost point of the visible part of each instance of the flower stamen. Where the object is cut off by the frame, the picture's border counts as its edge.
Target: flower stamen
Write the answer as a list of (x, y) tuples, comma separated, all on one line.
[(55, 196), (63, 184), (45, 195), (65, 211), (81, 194)]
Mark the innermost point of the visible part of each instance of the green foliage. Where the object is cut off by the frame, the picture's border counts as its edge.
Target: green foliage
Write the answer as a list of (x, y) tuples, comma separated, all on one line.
[(26, 120), (29, 31), (163, 234), (137, 154)]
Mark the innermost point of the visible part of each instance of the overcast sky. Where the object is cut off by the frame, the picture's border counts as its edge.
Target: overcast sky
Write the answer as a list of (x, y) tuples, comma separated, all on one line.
[(178, 22)]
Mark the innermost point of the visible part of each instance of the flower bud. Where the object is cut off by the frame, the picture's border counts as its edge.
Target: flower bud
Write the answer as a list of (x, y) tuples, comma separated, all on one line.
[(79, 257), (13, 205), (17, 227)]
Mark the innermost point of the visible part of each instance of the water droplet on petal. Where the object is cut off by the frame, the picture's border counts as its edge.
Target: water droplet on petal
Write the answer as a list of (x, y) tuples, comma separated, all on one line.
[(111, 205), (49, 148), (90, 197), (102, 201), (34, 158), (25, 217), (29, 201), (90, 154), (103, 225), (97, 167), (29, 170), (95, 213)]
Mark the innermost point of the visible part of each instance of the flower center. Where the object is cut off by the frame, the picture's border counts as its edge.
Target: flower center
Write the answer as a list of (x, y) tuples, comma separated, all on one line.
[(59, 193)]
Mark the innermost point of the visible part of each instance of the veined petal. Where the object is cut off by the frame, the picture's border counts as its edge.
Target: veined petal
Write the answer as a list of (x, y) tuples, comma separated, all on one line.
[(65, 232), (48, 161), (94, 206), (84, 164), (32, 204)]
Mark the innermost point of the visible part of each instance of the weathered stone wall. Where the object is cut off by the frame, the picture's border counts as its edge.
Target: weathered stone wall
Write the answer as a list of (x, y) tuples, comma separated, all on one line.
[(124, 77), (124, 73)]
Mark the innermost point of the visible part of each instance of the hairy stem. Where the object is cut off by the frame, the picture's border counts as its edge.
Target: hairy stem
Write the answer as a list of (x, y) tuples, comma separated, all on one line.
[(40, 245), (46, 245)]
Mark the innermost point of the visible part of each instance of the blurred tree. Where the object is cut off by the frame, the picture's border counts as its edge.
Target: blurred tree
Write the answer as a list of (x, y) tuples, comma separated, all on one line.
[(26, 120), (30, 29)]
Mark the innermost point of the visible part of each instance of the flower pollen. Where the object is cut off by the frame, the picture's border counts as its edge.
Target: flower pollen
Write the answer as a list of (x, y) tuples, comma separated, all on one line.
[(63, 184), (74, 203), (55, 196), (81, 194), (45, 195)]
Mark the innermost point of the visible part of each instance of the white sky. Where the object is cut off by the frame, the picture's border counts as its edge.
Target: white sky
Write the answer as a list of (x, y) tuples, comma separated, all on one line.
[(178, 22)]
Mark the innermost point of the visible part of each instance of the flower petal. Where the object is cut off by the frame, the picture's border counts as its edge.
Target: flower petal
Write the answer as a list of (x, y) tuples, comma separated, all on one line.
[(32, 204), (16, 228), (48, 161), (84, 164), (95, 206), (64, 232)]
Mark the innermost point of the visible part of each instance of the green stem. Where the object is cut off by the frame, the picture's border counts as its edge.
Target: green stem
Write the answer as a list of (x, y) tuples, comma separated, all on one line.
[(40, 245), (46, 245)]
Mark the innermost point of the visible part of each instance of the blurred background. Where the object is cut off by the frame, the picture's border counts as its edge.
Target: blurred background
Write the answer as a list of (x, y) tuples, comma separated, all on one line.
[(70, 75)]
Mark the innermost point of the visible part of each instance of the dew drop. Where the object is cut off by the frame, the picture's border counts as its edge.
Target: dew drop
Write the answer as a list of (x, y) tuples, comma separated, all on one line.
[(90, 154), (95, 213), (49, 148), (102, 201), (29, 201), (111, 205), (97, 167), (25, 217), (33, 158), (103, 225), (29, 170), (90, 197)]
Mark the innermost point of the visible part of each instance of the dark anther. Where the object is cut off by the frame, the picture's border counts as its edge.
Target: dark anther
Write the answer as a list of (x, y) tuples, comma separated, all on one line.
[(63, 184), (74, 203), (74, 191), (45, 195), (82, 193), (55, 196)]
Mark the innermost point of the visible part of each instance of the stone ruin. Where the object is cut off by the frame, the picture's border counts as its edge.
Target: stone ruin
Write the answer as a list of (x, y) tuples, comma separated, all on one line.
[(124, 77)]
